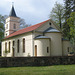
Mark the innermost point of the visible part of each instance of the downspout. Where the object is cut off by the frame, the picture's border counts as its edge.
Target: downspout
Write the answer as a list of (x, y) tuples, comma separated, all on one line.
[(62, 47), (50, 46), (49, 43)]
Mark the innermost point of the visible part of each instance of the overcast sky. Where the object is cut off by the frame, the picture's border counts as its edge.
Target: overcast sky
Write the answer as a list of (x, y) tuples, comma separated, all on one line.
[(33, 11)]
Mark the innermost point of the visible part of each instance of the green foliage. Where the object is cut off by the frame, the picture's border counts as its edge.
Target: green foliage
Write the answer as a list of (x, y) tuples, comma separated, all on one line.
[(2, 25), (57, 14), (2, 22), (6, 51), (23, 24), (71, 23), (47, 70), (69, 8)]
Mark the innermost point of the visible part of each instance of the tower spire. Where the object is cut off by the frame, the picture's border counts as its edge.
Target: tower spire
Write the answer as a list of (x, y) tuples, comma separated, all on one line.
[(12, 12)]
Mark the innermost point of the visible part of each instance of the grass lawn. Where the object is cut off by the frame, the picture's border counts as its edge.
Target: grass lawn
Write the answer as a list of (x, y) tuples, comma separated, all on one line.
[(46, 70)]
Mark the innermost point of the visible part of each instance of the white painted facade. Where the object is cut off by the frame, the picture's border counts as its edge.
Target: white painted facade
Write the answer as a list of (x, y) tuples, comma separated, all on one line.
[(11, 22), (42, 45), (28, 46), (54, 42), (38, 42)]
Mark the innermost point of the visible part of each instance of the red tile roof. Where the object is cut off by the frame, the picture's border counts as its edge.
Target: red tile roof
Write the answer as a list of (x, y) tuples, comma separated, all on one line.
[(28, 29)]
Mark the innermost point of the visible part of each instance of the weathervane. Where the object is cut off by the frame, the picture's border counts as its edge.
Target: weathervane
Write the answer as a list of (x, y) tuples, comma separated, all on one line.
[(12, 3)]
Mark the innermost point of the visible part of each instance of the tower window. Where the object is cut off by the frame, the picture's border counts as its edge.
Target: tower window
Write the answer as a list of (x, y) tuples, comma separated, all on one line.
[(24, 45), (6, 34), (14, 26), (6, 26)]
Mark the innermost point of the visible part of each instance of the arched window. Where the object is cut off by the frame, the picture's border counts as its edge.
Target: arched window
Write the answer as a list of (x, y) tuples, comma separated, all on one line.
[(47, 49), (6, 26), (13, 43), (6, 34), (23, 45), (9, 47), (14, 26), (18, 46), (5, 46)]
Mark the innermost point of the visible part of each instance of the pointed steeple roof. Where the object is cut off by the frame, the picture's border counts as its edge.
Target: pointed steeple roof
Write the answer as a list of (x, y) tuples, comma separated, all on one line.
[(12, 12)]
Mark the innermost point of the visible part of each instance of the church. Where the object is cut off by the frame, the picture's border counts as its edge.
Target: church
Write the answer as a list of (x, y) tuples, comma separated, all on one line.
[(42, 39)]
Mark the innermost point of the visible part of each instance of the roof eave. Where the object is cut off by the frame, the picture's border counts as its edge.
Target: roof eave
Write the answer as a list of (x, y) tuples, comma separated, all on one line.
[(15, 36), (52, 32)]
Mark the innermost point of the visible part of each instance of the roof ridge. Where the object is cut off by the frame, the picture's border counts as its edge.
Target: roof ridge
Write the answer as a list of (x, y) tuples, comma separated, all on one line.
[(27, 29), (35, 24), (32, 25)]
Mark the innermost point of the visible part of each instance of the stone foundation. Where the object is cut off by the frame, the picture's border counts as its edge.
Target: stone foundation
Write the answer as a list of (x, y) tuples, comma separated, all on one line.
[(35, 61)]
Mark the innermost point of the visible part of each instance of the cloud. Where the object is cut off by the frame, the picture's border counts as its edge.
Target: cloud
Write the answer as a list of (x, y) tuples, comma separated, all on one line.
[(33, 11), (8, 0)]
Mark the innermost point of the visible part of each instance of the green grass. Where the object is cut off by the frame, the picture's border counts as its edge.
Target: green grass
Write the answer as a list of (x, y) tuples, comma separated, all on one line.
[(47, 70)]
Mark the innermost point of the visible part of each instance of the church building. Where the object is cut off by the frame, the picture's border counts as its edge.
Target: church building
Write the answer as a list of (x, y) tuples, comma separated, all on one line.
[(42, 39)]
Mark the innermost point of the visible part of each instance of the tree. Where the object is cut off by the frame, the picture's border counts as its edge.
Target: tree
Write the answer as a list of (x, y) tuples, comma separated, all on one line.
[(2, 22), (74, 6), (57, 14), (23, 24), (71, 23), (69, 8)]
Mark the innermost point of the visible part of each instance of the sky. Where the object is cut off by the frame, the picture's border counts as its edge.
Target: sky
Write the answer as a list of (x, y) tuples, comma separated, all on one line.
[(33, 11)]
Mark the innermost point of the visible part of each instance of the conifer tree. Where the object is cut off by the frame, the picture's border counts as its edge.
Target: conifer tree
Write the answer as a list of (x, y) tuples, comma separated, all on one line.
[(69, 8)]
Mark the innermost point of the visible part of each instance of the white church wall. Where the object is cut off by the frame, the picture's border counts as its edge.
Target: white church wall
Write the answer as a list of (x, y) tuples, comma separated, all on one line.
[(56, 43), (3, 49), (66, 45), (42, 45), (28, 45), (46, 26), (37, 33)]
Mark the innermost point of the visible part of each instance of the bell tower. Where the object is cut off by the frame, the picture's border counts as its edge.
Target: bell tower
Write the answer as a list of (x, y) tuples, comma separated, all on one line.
[(12, 22)]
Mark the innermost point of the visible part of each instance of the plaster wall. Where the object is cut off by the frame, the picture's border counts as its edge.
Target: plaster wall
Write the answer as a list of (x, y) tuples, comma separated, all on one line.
[(42, 45), (28, 45), (56, 43)]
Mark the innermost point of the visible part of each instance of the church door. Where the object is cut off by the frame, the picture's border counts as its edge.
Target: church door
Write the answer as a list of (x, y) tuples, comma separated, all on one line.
[(35, 50)]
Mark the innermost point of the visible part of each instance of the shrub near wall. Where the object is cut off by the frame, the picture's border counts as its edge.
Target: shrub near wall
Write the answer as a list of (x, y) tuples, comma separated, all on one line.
[(35, 61)]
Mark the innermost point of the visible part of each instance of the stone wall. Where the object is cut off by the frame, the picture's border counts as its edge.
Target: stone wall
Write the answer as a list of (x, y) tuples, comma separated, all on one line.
[(35, 61)]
